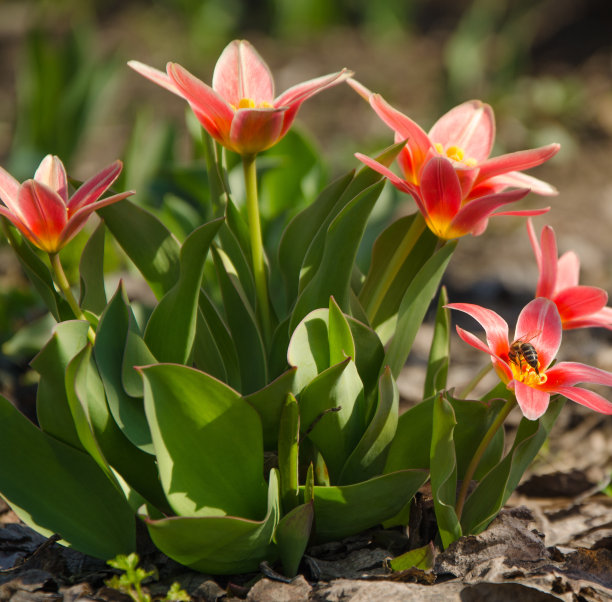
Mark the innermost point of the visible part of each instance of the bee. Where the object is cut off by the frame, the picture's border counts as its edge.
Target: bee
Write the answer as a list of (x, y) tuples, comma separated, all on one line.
[(522, 350)]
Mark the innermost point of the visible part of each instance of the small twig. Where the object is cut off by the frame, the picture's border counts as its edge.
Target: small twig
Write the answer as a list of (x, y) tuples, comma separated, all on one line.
[(316, 421), (22, 562), (270, 573)]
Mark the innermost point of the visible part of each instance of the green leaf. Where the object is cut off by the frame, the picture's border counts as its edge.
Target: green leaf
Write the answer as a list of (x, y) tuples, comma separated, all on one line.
[(492, 492), (292, 535), (91, 269), (368, 458), (288, 435), (243, 326), (219, 545), (52, 407), (443, 470), (55, 488), (439, 351), (136, 354), (341, 344), (419, 558), (146, 241), (171, 328), (333, 276), (332, 412), (109, 350), (239, 261), (348, 509), (414, 306), (208, 443), (269, 403)]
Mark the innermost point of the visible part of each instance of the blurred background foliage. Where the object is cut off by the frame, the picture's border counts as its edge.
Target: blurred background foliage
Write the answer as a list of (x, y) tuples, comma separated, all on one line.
[(544, 65)]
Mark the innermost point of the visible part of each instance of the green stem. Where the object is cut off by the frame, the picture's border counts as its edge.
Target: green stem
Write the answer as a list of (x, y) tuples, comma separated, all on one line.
[(257, 250), (472, 384), (471, 469), (63, 284), (394, 265)]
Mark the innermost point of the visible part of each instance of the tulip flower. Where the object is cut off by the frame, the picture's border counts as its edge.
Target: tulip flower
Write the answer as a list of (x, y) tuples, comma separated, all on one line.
[(240, 111), (41, 208), (579, 306), (526, 364)]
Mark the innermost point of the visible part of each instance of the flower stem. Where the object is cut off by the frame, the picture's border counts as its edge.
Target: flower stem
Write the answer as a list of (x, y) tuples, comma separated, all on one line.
[(63, 284), (257, 250), (471, 469), (394, 265), (472, 384)]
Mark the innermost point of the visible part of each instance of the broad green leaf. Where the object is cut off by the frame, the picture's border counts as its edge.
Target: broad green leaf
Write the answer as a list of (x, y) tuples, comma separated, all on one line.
[(171, 328), (109, 349), (240, 261), (414, 306), (340, 244), (208, 443), (288, 434), (146, 241), (443, 471), (368, 458), (219, 545), (91, 270), (30, 338), (301, 230), (52, 407), (332, 412), (243, 326), (292, 535), (419, 558), (269, 403), (348, 509), (439, 351), (484, 503), (136, 354), (239, 228), (341, 344), (55, 488)]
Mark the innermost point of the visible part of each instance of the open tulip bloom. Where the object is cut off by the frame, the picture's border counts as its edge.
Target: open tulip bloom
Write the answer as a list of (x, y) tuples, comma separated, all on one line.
[(41, 209), (240, 111), (539, 325), (579, 306)]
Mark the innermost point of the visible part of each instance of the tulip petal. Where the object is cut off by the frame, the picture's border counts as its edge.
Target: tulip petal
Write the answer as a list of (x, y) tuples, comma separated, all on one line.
[(496, 328), (469, 218), (441, 193), (240, 73), (517, 161), (470, 126), (568, 271), (255, 130), (16, 221), (51, 172), (548, 265), (516, 179), (578, 301), (44, 214), (539, 323), (91, 190), (304, 90), (565, 374), (9, 189), (475, 342), (535, 243), (359, 88), (533, 402), (600, 319), (398, 182), (586, 398), (155, 75)]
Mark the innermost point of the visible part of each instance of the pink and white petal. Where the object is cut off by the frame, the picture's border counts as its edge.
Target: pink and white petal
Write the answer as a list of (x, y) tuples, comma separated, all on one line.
[(600, 319), (517, 161), (470, 126), (201, 97), (300, 92), (517, 179), (578, 301), (535, 243), (470, 216), (255, 130), (44, 213), (51, 172), (496, 328), (359, 88), (91, 190), (441, 191), (240, 73), (548, 265), (539, 323), (524, 212), (568, 270), (398, 182), (533, 402), (9, 188), (18, 224), (498, 362), (586, 398), (156, 76), (572, 373)]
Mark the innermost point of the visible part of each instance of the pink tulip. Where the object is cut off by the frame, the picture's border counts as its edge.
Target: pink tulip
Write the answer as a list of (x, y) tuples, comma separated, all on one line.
[(579, 306), (239, 111), (41, 209), (539, 325)]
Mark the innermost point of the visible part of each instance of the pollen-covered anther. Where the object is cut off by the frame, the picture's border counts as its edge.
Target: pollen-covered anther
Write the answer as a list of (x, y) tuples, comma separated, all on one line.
[(528, 375), (456, 153), (249, 103)]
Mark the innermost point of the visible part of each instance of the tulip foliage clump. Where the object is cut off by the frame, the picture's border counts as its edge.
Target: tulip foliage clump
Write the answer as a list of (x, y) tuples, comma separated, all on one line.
[(161, 417)]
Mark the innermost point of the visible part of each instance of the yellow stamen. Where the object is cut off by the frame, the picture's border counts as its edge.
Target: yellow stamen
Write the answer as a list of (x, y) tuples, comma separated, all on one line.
[(249, 103), (526, 374), (456, 153)]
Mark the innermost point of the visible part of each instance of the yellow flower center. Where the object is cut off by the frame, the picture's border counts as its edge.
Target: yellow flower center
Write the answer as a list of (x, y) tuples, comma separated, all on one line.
[(249, 103), (456, 153), (527, 374)]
